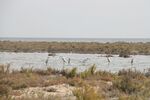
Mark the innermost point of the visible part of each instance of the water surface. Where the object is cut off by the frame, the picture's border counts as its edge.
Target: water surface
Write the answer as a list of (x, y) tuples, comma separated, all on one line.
[(81, 61)]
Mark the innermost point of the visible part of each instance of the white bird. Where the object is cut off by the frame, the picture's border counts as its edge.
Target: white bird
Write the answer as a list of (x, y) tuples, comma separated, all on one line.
[(64, 60)]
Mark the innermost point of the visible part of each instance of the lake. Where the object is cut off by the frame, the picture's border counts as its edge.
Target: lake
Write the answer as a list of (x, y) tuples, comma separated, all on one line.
[(70, 60)]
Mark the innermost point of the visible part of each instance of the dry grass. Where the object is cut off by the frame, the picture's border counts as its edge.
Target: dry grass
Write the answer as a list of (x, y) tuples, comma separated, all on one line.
[(127, 84), (87, 93)]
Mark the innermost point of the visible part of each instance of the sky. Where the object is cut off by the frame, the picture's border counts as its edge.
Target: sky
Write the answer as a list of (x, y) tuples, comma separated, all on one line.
[(75, 18)]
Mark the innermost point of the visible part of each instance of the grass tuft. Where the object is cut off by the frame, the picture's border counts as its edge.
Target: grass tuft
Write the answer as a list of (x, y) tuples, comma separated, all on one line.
[(87, 93)]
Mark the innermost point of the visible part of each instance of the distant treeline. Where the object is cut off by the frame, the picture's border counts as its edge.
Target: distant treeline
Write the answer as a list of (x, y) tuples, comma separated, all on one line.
[(76, 47)]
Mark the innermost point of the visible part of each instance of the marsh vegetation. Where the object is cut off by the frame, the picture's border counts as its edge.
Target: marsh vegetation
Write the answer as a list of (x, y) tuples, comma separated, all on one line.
[(77, 47)]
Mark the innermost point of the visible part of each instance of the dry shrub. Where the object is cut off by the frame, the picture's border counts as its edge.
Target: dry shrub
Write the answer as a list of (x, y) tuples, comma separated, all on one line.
[(4, 70), (131, 73), (124, 53), (4, 90), (26, 70), (89, 72), (55, 81), (127, 85), (76, 81), (106, 76), (19, 86), (87, 93), (129, 81), (22, 80), (48, 71)]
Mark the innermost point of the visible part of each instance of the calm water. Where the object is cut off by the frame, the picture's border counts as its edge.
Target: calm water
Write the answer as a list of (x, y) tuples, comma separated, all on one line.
[(81, 61), (103, 40)]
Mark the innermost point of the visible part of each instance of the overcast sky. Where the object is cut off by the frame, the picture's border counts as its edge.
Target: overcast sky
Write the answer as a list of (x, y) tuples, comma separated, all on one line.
[(75, 18)]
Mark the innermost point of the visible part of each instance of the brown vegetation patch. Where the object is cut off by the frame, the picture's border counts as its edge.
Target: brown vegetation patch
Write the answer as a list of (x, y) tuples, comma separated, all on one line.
[(122, 48)]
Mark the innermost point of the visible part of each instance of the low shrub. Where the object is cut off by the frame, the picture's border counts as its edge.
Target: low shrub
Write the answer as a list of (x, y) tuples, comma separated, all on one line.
[(129, 82), (26, 70), (89, 72), (72, 73), (131, 73), (76, 81), (124, 53), (87, 93), (19, 86), (4, 69), (4, 90)]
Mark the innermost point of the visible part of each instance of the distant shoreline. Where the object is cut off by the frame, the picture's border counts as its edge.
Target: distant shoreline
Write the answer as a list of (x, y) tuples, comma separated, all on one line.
[(76, 47), (99, 40)]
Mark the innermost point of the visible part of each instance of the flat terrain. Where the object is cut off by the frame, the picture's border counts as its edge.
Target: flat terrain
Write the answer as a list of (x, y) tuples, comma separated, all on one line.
[(76, 47)]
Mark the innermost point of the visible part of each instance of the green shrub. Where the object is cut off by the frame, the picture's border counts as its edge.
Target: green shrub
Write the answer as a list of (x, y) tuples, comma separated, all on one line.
[(92, 70), (89, 72), (72, 73)]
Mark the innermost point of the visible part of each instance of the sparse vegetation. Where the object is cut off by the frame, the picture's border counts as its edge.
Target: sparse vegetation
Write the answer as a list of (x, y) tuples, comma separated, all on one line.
[(88, 72), (72, 73), (4, 90), (89, 85), (121, 48), (125, 53), (87, 93)]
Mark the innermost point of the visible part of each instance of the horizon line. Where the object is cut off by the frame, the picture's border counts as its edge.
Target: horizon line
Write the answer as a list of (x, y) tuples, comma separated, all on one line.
[(82, 37)]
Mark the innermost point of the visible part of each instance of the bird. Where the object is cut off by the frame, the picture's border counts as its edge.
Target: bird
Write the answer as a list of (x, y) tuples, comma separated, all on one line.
[(69, 60), (46, 62), (85, 60), (132, 61), (108, 59), (64, 60)]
